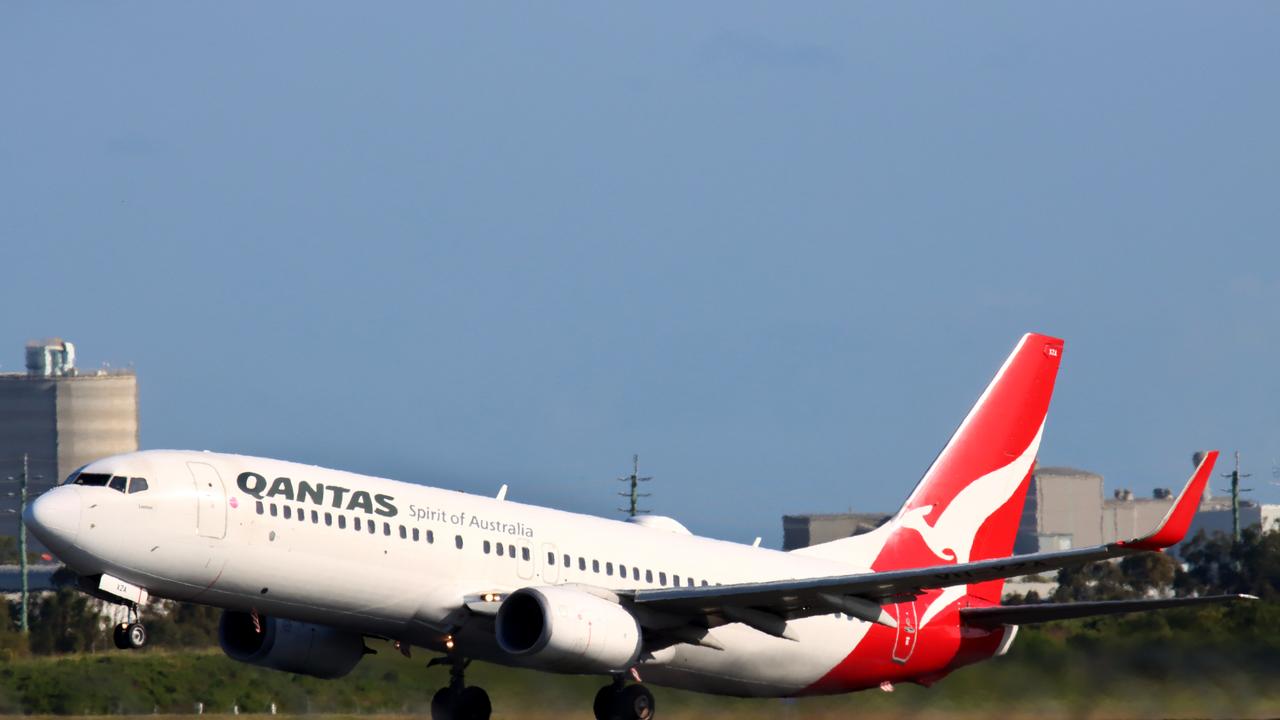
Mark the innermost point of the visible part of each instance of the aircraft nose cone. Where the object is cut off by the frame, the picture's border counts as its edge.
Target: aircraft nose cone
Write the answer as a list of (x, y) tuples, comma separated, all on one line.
[(54, 517)]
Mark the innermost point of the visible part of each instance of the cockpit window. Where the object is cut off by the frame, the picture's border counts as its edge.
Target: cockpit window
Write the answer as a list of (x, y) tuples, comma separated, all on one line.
[(137, 485), (92, 479), (118, 483)]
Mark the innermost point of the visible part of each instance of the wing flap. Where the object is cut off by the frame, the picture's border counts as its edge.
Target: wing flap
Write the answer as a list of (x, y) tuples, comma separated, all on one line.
[(1048, 612)]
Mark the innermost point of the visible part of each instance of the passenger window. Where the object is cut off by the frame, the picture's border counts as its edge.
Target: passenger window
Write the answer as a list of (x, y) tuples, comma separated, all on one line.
[(662, 578), (342, 522), (328, 519), (608, 569), (622, 570), (302, 515), (431, 537), (373, 527), (457, 540), (272, 507), (524, 553), (582, 564), (595, 566), (648, 576), (404, 534), (315, 516), (499, 548), (511, 550), (260, 507), (704, 583), (675, 581), (690, 582), (635, 573), (567, 561), (137, 485), (288, 512), (118, 483), (416, 535), (487, 547), (386, 529), (356, 522)]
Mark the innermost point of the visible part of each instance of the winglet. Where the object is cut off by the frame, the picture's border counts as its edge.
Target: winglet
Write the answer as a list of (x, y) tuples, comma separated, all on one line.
[(1177, 521)]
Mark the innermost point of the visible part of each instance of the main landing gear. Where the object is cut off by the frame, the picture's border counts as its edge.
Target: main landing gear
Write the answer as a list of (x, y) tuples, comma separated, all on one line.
[(616, 701), (619, 701), (130, 634), (457, 701)]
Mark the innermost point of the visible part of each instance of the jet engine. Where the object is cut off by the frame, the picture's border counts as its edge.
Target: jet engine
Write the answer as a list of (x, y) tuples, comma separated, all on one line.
[(296, 647), (568, 630)]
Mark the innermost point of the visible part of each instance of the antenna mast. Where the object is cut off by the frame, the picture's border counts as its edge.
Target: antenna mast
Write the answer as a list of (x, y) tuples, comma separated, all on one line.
[(634, 494), (1235, 497)]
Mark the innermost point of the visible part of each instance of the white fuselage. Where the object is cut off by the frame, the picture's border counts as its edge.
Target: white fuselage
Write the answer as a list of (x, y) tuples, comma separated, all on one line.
[(204, 532)]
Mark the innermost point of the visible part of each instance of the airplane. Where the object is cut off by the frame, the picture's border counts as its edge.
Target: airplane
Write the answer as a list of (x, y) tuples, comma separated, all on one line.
[(308, 562)]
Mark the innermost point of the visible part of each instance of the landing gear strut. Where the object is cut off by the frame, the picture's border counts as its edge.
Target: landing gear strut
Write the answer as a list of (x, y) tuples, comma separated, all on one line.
[(131, 634), (457, 701), (619, 701)]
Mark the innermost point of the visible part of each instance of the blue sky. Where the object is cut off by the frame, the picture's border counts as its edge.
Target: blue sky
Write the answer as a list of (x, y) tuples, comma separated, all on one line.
[(776, 252)]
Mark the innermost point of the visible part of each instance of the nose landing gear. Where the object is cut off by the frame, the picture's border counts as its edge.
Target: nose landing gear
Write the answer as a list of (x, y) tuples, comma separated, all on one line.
[(131, 634)]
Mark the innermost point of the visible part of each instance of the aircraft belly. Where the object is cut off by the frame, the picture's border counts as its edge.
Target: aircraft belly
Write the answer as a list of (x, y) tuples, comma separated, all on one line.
[(757, 665)]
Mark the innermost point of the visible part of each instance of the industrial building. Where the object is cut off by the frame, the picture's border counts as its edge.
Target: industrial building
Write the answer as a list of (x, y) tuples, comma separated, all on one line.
[(804, 530), (61, 418), (1065, 508)]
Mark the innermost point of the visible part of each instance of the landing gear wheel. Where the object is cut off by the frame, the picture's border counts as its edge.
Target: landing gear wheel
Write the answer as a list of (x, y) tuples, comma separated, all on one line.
[(442, 704), (623, 702), (135, 636), (472, 704), (457, 701), (634, 702), (604, 702)]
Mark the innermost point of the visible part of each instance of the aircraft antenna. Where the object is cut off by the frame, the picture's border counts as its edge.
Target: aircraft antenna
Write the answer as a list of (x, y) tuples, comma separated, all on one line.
[(634, 493)]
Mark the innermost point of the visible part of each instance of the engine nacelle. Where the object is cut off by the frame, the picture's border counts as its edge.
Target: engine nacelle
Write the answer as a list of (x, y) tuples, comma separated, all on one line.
[(568, 630), (296, 647)]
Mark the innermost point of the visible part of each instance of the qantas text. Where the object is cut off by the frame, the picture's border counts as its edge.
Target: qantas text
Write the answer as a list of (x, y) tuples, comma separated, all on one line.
[(339, 497)]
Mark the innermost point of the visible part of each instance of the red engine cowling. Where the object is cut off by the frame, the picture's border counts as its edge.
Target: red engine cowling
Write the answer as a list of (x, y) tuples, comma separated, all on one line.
[(568, 630)]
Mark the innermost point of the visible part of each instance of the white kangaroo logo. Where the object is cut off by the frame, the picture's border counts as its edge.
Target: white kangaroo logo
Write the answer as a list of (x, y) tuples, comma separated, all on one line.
[(951, 536)]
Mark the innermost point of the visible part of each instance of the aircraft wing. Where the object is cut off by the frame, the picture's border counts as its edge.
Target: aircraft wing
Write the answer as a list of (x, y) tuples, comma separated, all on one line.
[(1048, 612), (767, 605)]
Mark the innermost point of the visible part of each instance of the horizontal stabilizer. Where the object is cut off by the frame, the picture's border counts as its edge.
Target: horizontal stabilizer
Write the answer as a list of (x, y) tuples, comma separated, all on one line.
[(1048, 612)]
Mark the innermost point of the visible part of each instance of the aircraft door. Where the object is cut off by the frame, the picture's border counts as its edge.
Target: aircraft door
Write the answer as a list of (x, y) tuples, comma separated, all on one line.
[(550, 563), (905, 643), (211, 500), (525, 560)]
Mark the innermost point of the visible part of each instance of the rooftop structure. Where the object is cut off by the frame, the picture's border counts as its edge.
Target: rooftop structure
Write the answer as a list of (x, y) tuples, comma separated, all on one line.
[(62, 418)]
